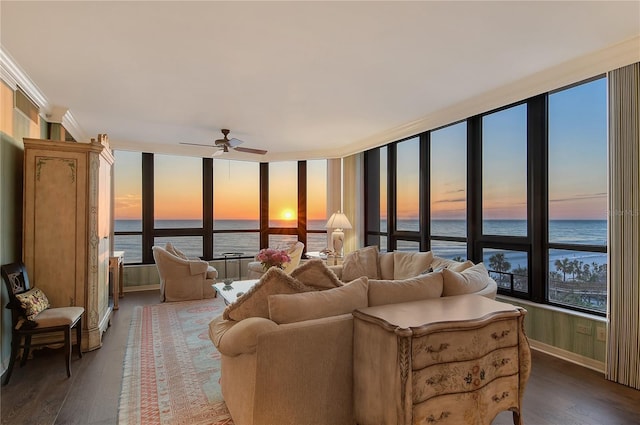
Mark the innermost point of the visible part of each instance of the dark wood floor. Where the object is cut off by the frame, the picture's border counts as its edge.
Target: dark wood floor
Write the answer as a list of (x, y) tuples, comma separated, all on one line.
[(558, 393)]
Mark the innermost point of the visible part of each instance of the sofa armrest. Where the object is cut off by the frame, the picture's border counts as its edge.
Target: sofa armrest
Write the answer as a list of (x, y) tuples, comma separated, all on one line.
[(197, 267), (490, 290), (304, 373), (233, 338)]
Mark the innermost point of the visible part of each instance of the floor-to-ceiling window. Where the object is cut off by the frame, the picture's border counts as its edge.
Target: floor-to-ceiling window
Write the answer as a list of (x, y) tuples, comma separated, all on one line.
[(578, 196), (208, 208), (316, 205), (521, 188), (128, 204), (407, 195), (283, 202), (236, 207), (504, 196), (448, 191), (178, 202)]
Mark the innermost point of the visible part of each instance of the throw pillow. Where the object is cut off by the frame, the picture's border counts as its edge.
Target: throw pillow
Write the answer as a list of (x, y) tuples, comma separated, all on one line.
[(316, 274), (362, 262), (315, 305), (421, 287), (460, 267), (410, 264), (254, 302), (468, 281), (175, 251), (33, 302)]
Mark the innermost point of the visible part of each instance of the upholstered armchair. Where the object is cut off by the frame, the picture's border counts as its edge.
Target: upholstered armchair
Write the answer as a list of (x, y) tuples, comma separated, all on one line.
[(183, 279), (295, 253)]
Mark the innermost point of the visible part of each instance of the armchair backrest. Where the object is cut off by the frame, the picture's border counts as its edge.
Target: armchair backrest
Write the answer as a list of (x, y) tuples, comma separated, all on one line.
[(295, 253)]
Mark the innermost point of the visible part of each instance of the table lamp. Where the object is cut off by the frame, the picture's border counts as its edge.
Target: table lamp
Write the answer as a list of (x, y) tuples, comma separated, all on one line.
[(338, 221)]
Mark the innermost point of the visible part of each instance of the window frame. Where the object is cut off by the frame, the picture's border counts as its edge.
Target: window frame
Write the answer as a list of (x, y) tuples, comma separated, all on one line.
[(536, 242)]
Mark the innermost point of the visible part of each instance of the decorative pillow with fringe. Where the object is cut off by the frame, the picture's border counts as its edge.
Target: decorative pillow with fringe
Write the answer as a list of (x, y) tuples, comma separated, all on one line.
[(316, 274), (255, 303)]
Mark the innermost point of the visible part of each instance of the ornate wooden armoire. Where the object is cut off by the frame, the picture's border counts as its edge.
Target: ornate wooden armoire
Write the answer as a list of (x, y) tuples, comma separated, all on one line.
[(67, 226)]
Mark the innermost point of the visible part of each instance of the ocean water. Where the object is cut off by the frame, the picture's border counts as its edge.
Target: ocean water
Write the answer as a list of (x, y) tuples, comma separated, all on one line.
[(245, 243), (587, 232)]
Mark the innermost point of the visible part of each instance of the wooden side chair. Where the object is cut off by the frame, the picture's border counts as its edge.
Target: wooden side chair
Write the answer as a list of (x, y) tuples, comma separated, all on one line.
[(31, 315)]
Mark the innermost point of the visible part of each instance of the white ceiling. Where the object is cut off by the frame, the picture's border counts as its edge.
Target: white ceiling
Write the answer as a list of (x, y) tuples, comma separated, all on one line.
[(299, 79)]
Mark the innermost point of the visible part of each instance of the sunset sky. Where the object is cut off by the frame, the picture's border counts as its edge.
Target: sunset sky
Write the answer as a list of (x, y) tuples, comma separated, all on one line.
[(577, 172)]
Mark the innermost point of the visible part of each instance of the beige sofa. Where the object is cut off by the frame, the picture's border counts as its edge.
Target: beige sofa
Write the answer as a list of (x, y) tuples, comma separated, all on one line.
[(293, 362)]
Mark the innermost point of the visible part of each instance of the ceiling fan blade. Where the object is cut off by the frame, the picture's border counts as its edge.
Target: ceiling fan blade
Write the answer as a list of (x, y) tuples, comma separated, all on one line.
[(195, 144), (234, 142), (251, 150)]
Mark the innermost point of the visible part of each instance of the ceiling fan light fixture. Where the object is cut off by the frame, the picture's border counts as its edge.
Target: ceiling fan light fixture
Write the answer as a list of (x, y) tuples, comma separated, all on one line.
[(225, 144)]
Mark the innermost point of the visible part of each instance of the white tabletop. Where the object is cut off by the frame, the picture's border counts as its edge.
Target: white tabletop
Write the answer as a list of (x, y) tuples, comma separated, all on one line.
[(237, 288)]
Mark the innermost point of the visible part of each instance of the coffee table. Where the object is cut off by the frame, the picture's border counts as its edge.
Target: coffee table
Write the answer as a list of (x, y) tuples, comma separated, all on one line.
[(231, 292)]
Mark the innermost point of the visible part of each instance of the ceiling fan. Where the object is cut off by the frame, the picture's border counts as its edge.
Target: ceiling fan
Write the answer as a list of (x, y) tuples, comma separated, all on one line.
[(225, 143)]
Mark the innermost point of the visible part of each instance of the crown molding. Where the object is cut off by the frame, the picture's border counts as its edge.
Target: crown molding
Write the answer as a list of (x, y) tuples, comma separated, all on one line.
[(71, 125), (15, 77)]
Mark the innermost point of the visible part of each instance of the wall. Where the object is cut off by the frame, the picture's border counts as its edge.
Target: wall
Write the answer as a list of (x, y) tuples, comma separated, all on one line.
[(13, 127), (571, 335)]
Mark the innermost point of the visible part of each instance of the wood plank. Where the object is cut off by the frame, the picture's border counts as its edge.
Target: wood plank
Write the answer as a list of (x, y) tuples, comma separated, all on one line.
[(558, 392)]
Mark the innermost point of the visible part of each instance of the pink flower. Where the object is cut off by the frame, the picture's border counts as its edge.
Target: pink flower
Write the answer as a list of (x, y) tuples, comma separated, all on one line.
[(270, 257)]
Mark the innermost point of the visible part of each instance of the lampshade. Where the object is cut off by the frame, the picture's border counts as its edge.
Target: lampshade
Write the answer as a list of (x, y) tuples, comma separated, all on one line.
[(338, 221)]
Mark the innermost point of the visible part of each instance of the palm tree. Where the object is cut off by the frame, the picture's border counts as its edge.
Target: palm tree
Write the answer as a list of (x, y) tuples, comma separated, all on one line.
[(563, 266), (499, 264), (576, 267)]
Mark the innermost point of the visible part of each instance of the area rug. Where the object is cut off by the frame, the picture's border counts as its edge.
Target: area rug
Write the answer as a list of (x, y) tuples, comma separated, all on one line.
[(171, 368)]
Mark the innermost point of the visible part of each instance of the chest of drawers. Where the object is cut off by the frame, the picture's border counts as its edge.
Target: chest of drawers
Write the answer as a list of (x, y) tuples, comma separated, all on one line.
[(451, 360)]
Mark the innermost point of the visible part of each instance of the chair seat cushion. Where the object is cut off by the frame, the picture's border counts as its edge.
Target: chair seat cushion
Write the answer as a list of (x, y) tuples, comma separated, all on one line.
[(58, 316)]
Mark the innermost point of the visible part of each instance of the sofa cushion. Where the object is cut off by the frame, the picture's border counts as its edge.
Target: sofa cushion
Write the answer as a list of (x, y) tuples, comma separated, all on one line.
[(420, 287), (410, 264), (315, 305), (460, 267), (254, 302), (362, 262), (468, 281), (440, 263), (316, 274), (385, 265)]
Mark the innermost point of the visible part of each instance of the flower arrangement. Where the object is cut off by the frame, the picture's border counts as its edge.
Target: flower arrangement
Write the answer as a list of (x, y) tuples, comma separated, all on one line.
[(270, 257)]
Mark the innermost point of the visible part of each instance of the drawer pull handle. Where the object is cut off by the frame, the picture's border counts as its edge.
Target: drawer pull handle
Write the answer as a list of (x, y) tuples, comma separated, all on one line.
[(432, 419), (498, 336), (442, 347), (498, 398), (499, 363)]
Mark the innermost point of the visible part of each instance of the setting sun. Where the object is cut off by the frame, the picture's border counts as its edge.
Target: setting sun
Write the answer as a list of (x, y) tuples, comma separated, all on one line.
[(287, 214)]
